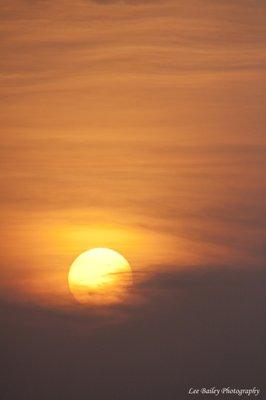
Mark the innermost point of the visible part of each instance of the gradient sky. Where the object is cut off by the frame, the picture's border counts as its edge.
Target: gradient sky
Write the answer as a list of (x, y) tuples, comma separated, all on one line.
[(140, 126)]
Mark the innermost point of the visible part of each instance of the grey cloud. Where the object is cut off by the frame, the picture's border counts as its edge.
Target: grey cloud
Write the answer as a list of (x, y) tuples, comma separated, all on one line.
[(203, 325)]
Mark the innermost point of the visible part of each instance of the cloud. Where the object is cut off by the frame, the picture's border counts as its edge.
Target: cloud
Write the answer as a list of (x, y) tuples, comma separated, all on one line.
[(133, 2), (199, 326)]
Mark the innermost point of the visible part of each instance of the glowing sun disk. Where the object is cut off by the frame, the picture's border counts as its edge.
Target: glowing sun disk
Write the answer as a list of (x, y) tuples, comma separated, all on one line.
[(99, 276)]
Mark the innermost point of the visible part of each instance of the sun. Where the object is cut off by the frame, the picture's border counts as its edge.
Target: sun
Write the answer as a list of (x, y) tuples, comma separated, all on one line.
[(99, 276)]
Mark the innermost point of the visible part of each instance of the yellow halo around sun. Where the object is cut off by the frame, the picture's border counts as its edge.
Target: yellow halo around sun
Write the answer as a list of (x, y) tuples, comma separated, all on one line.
[(99, 276)]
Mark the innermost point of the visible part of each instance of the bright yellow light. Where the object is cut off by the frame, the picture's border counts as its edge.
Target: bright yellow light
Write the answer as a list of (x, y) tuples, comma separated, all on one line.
[(99, 276)]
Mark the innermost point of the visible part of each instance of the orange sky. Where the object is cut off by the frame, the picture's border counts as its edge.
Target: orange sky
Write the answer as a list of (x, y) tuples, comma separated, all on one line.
[(136, 125)]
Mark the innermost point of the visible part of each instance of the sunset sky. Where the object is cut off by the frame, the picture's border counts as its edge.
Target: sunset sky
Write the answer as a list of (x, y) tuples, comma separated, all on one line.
[(139, 126)]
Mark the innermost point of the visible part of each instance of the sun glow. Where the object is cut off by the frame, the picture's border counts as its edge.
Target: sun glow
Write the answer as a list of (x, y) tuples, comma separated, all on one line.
[(99, 276)]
